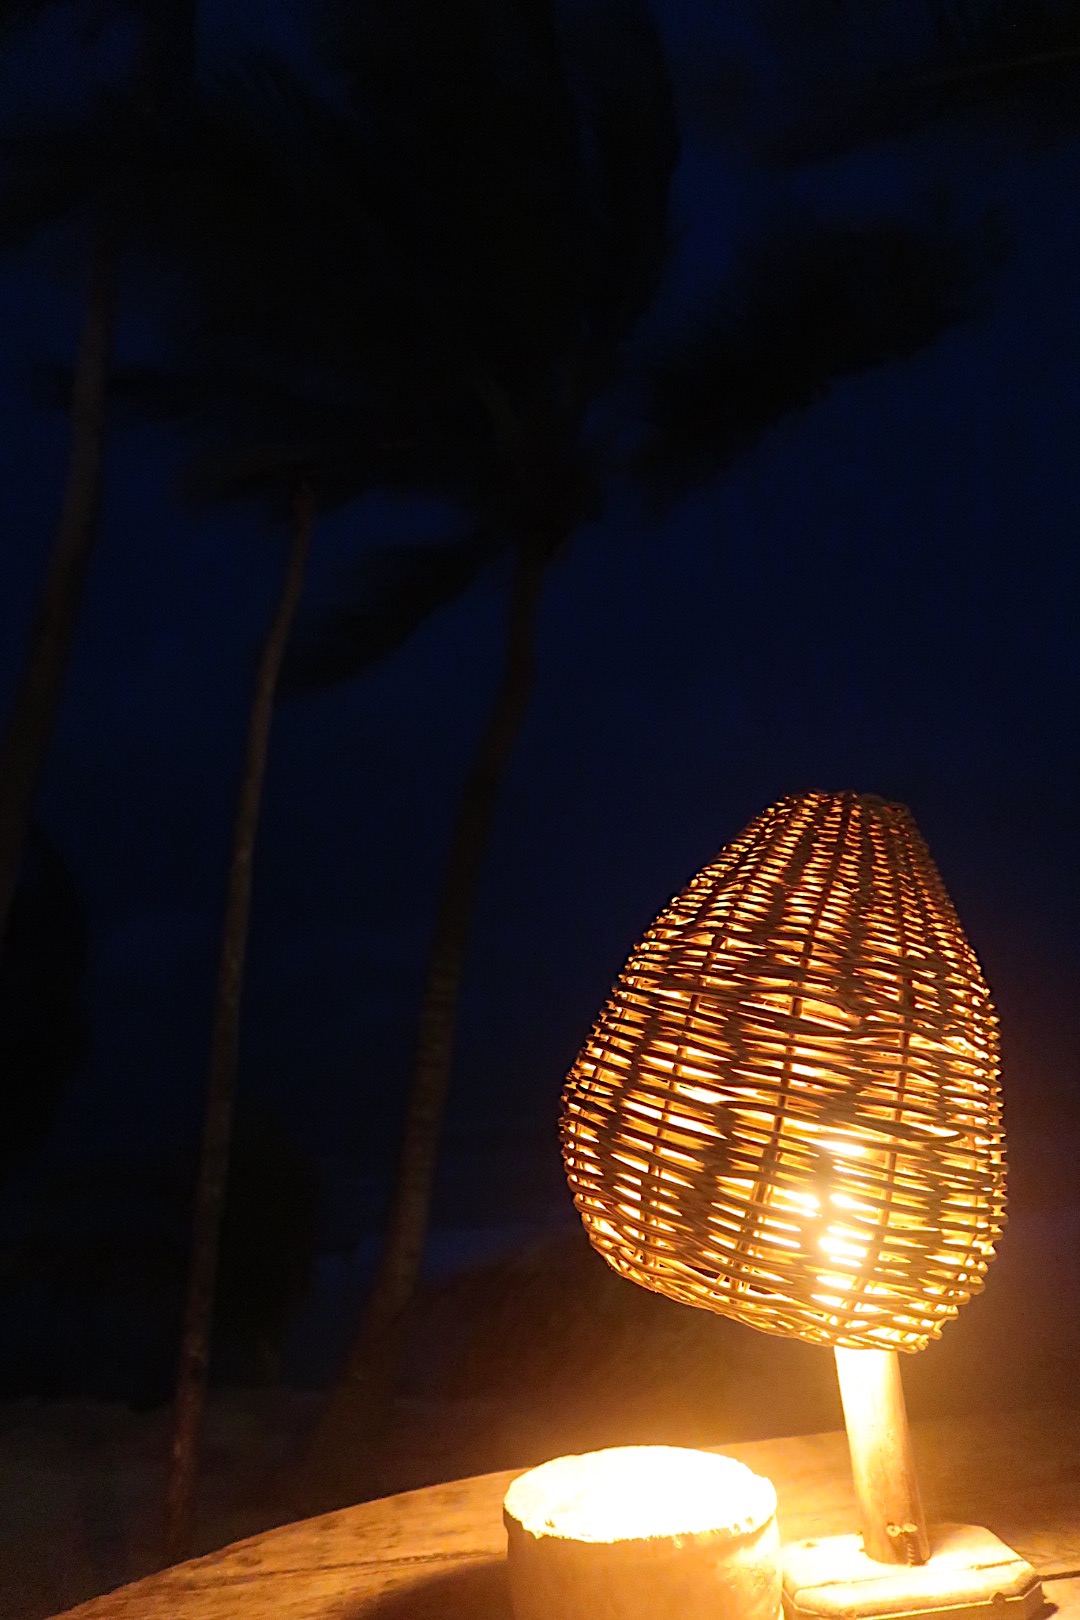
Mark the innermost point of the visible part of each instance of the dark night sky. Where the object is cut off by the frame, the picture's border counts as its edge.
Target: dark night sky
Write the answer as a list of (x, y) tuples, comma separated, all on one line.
[(882, 596)]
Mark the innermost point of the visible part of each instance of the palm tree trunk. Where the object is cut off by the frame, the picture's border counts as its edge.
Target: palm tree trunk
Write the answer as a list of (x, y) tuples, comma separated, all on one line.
[(355, 1408), (164, 77), (190, 1395), (37, 697)]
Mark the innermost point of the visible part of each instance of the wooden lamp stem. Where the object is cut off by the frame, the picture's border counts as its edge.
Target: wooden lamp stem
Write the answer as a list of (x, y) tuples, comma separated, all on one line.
[(893, 1524)]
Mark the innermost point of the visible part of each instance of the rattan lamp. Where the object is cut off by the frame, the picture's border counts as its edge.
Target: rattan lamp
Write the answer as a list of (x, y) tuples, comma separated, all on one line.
[(788, 1112)]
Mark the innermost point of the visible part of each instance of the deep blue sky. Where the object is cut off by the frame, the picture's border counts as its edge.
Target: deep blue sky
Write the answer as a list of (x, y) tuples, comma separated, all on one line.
[(882, 596)]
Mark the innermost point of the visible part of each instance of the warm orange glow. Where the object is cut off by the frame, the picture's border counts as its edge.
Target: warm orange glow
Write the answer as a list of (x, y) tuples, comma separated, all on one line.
[(788, 1110), (631, 1493)]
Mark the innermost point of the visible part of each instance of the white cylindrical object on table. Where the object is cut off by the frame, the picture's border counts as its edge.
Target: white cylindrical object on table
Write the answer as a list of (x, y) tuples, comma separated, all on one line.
[(643, 1533)]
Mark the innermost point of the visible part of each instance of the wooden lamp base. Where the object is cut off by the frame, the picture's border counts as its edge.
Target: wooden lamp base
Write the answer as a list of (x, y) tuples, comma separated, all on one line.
[(969, 1572)]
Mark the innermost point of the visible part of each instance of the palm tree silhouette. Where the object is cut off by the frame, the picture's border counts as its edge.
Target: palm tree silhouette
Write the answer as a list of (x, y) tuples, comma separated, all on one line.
[(529, 161), (380, 304), (47, 185), (294, 283), (548, 332), (316, 367)]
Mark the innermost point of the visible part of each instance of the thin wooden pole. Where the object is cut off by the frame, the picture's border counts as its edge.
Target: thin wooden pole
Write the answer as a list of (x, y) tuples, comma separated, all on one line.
[(893, 1523)]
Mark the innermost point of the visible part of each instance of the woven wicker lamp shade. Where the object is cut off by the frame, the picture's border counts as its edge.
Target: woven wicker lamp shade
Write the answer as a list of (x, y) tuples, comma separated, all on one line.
[(788, 1111)]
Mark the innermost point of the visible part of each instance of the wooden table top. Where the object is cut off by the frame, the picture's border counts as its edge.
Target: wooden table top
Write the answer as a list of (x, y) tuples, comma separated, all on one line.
[(439, 1553)]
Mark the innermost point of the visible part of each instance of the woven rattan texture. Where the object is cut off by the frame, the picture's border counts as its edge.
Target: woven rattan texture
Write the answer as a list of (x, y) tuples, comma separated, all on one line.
[(788, 1111)]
